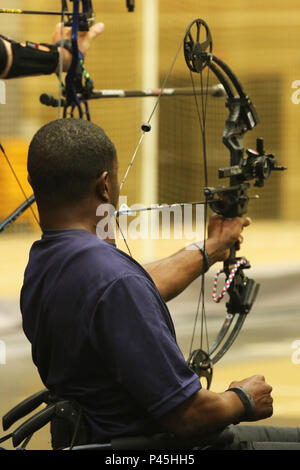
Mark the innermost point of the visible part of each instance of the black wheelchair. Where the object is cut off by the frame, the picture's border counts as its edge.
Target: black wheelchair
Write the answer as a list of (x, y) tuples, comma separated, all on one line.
[(68, 431)]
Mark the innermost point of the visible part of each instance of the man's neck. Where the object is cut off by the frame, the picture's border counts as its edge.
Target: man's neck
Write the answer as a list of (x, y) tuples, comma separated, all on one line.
[(78, 217), (49, 224), (57, 224)]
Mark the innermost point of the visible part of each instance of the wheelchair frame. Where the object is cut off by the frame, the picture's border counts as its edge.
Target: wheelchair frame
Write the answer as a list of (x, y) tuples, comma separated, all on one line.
[(162, 441)]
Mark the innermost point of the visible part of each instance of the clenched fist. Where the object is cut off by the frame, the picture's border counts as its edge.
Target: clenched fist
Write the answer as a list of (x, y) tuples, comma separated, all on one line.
[(261, 394), (225, 233)]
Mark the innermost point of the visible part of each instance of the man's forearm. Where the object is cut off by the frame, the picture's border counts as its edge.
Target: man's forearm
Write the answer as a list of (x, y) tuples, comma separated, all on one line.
[(67, 57), (205, 412), (173, 274)]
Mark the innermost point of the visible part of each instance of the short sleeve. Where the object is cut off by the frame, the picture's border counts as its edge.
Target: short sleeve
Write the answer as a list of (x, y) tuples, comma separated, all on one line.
[(133, 332)]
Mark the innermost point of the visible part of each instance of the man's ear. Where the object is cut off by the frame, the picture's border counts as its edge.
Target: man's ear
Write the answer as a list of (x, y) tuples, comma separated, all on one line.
[(102, 187)]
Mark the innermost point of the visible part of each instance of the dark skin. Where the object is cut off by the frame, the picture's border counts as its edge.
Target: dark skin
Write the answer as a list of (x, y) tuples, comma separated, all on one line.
[(205, 411)]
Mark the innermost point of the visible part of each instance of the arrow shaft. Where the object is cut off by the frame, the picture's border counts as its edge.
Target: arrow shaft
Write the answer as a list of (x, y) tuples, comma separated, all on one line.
[(216, 91), (17, 11)]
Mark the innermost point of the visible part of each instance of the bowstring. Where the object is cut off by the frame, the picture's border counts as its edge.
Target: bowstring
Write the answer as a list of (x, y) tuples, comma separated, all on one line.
[(163, 86), (202, 123), (18, 182)]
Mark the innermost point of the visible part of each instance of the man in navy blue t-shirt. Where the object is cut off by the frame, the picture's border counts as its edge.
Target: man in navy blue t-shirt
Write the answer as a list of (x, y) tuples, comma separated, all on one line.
[(100, 330)]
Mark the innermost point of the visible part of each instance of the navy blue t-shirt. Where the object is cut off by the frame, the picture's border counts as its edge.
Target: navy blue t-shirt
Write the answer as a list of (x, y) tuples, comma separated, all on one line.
[(102, 335)]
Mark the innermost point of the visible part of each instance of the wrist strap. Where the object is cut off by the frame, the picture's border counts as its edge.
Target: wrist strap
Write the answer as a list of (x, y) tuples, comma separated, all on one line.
[(30, 60), (247, 400), (200, 246)]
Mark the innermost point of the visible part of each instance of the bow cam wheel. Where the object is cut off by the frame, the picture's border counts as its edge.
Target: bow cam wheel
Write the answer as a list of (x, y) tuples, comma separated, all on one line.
[(200, 362), (197, 45)]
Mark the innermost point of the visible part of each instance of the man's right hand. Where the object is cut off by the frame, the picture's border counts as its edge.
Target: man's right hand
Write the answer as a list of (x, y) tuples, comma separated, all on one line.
[(261, 394), (223, 234)]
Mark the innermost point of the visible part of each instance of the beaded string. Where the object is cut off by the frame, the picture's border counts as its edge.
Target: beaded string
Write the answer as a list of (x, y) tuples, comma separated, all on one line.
[(229, 280)]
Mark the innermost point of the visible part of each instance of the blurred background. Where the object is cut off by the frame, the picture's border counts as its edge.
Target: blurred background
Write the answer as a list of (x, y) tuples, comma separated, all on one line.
[(260, 41)]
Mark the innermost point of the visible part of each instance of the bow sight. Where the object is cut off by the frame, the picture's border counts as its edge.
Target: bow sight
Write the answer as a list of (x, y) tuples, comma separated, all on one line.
[(233, 200), (257, 165), (130, 5)]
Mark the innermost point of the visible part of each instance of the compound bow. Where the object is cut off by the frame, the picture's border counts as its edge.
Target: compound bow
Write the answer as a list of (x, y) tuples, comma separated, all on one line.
[(231, 201)]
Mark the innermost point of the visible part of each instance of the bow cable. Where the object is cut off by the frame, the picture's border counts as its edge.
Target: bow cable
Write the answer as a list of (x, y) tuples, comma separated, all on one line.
[(202, 124)]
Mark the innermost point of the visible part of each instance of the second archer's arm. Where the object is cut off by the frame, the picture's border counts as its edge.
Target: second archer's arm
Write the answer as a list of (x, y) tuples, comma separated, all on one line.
[(174, 273), (27, 59)]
